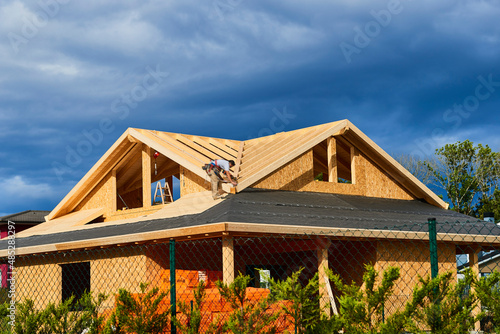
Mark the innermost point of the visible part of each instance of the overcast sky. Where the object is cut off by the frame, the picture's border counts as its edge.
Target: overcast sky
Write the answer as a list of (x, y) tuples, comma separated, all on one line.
[(74, 75)]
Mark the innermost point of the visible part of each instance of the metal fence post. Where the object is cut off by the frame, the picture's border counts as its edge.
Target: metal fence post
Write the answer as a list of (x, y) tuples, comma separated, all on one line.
[(172, 287), (433, 246)]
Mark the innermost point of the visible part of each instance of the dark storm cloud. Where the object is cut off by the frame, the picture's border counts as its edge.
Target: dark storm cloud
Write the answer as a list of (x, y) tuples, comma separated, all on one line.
[(396, 69)]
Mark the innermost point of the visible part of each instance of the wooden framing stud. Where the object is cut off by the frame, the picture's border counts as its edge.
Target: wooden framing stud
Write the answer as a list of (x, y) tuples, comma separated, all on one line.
[(353, 164), (146, 176), (332, 159), (114, 196), (227, 259), (132, 139)]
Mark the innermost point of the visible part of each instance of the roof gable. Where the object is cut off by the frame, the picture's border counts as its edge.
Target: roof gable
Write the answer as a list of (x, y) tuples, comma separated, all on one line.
[(255, 159)]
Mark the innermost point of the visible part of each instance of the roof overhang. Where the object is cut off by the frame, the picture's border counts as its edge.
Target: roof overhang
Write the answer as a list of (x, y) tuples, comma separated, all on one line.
[(252, 230)]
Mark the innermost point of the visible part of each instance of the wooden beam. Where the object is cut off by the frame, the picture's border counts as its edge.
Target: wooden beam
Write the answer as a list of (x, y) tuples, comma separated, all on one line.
[(211, 147), (223, 147), (354, 157), (146, 176), (227, 259), (113, 191), (474, 265), (132, 139), (114, 154), (209, 155), (290, 154), (332, 159), (166, 171), (282, 144), (324, 304), (129, 159), (238, 159), (391, 166), (173, 153), (126, 168)]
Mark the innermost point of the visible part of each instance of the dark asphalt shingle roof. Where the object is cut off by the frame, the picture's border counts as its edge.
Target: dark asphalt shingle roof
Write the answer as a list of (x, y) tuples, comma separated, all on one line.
[(28, 216), (327, 211)]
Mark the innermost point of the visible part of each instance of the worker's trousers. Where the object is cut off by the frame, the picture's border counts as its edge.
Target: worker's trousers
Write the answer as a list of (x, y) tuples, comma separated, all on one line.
[(216, 185)]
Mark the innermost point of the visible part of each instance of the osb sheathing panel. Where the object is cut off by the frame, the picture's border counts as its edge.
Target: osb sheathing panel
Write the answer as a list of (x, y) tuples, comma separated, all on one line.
[(41, 280), (100, 197), (110, 270), (490, 267), (413, 259), (192, 183), (298, 175), (132, 213), (41, 277), (294, 176)]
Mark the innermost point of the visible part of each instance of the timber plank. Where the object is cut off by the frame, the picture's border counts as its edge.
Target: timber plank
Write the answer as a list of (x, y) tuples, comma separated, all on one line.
[(92, 177), (186, 150), (209, 146), (391, 166), (278, 159), (208, 155)]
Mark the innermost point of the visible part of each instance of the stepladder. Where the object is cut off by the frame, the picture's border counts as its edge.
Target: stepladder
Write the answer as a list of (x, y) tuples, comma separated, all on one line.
[(163, 193)]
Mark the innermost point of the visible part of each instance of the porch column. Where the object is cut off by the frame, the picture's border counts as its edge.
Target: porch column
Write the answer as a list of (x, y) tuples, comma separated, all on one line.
[(227, 259), (146, 176), (322, 252), (474, 265)]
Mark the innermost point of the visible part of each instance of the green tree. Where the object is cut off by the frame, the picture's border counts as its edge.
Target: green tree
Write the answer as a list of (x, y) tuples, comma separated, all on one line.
[(29, 320), (247, 317), (303, 301), (443, 307), (468, 174), (139, 314), (488, 292), (489, 204), (415, 166), (193, 314), (71, 317), (362, 307)]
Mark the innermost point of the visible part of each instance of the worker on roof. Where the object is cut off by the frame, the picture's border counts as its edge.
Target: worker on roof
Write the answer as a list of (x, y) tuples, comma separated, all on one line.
[(218, 170)]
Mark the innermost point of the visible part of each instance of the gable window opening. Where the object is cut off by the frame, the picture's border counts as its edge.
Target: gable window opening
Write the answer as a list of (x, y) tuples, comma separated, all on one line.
[(75, 282), (333, 161), (146, 178), (163, 191)]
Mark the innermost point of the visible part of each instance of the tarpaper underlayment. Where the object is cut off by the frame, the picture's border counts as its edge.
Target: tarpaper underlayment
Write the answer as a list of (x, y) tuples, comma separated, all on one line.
[(186, 205)]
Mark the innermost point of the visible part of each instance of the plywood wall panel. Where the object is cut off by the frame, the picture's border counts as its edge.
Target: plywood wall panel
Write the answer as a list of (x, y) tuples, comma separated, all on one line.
[(294, 176), (100, 197), (413, 259), (192, 183), (371, 181)]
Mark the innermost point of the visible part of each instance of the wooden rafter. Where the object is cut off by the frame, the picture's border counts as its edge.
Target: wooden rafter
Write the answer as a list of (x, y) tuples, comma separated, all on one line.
[(306, 142), (146, 176), (257, 158)]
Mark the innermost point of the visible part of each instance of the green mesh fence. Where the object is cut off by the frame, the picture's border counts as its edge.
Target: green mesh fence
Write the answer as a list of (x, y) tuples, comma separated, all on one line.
[(52, 278)]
